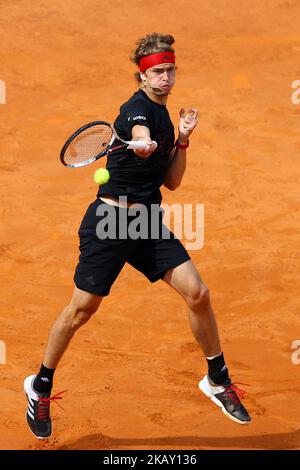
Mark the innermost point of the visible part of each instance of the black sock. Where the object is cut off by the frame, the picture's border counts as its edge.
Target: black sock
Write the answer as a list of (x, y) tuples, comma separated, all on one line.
[(44, 380), (217, 370)]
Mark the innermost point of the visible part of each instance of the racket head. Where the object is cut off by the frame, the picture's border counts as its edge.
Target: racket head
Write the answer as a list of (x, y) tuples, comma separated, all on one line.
[(89, 143)]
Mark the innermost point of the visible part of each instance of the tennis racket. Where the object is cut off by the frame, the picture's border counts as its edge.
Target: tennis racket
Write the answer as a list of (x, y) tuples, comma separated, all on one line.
[(93, 141)]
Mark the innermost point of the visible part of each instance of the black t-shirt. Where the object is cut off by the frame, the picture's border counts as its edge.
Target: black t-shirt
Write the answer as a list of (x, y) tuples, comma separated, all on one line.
[(140, 178)]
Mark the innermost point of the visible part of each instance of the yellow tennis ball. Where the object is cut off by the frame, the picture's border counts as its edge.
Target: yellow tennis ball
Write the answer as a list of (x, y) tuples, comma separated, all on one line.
[(101, 176)]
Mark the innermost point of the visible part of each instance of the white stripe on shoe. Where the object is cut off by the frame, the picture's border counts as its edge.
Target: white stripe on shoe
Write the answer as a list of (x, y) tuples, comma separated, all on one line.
[(30, 408)]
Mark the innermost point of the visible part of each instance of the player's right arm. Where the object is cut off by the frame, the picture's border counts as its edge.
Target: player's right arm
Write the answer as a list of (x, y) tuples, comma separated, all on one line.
[(143, 133), (137, 120)]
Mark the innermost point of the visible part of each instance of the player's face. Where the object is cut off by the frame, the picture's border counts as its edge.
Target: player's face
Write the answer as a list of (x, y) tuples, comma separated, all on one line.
[(161, 78)]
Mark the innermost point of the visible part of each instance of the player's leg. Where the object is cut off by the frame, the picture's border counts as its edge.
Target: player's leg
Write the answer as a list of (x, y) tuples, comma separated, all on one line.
[(186, 280), (216, 385), (74, 315), (162, 254), (38, 387)]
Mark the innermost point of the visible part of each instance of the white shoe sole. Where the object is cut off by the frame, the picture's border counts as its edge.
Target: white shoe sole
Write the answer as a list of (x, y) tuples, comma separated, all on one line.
[(203, 386)]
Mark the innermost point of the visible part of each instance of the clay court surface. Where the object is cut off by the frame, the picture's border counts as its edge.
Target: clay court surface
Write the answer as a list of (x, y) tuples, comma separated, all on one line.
[(132, 371)]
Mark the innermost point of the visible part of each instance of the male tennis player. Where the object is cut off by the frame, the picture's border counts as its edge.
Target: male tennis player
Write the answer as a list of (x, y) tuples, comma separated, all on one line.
[(138, 175)]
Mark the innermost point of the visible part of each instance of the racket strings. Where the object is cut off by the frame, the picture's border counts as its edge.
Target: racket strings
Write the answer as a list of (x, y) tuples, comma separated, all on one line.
[(89, 143)]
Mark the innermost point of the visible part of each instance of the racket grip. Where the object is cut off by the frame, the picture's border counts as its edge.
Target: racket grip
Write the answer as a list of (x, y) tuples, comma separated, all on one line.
[(138, 144)]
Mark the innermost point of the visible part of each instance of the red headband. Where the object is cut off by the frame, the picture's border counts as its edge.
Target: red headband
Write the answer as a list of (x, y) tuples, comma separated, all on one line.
[(156, 59)]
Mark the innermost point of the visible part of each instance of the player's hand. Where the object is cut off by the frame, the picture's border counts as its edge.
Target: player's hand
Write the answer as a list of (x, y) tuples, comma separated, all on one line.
[(146, 152), (187, 123)]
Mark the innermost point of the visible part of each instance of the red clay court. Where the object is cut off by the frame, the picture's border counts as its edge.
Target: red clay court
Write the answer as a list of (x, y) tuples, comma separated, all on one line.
[(132, 371)]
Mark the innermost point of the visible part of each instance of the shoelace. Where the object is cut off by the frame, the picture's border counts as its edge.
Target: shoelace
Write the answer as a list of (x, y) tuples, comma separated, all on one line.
[(44, 405), (234, 393)]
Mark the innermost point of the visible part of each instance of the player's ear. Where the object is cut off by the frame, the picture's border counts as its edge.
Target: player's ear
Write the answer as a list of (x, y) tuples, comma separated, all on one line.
[(143, 77)]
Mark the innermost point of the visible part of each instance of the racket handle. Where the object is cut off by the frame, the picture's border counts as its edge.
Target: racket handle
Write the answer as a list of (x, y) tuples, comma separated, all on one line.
[(138, 144)]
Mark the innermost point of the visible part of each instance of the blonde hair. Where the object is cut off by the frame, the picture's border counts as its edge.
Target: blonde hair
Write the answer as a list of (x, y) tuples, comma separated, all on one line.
[(150, 44)]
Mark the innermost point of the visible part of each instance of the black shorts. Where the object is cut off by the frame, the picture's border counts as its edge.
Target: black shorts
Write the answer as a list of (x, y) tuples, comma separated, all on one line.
[(101, 260)]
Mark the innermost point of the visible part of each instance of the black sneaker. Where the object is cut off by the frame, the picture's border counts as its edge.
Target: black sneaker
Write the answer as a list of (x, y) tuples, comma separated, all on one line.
[(38, 411), (227, 398)]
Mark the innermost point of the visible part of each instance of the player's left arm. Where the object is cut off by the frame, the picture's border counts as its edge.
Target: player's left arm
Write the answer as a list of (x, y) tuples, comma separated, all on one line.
[(187, 124)]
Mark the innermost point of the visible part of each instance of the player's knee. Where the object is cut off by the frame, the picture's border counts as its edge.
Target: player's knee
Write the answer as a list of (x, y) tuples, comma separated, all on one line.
[(80, 317), (77, 315), (198, 296)]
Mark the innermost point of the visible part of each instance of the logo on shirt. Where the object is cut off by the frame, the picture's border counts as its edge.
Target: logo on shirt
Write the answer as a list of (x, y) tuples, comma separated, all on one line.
[(135, 118)]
